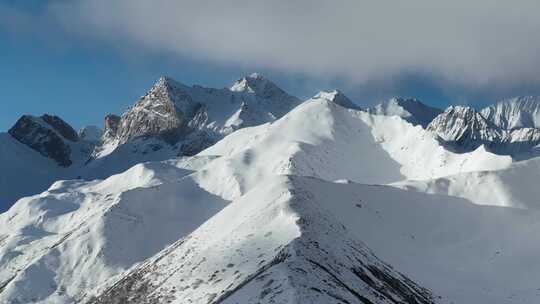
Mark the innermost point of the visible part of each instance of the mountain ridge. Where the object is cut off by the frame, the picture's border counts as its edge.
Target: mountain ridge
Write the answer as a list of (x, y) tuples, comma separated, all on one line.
[(301, 209)]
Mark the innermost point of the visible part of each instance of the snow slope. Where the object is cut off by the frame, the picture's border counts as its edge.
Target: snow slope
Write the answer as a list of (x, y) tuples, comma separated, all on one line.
[(410, 109), (36, 152), (24, 171), (297, 240), (58, 245), (273, 245), (171, 119), (291, 211), (322, 139), (461, 251), (515, 186)]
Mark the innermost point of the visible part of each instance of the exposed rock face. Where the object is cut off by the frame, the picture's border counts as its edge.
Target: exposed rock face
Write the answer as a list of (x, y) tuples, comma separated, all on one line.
[(164, 111), (466, 129), (515, 113), (47, 135), (410, 109), (464, 126), (196, 117), (111, 125), (61, 127)]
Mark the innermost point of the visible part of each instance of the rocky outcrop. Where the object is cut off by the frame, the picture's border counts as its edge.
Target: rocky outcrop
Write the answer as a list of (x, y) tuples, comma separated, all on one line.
[(111, 124), (515, 113), (465, 129), (193, 118), (49, 135), (164, 111)]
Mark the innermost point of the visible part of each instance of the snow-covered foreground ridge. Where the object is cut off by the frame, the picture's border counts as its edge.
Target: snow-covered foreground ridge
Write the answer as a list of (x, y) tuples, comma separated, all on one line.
[(296, 210)]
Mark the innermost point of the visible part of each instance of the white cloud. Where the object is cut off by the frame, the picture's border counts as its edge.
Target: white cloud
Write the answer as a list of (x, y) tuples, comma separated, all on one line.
[(471, 43)]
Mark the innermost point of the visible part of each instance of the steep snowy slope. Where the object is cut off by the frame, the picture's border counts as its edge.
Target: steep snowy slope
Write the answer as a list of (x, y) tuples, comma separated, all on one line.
[(170, 120), (410, 109), (36, 152), (57, 246), (461, 251), (267, 238), (296, 240), (322, 139), (24, 171), (515, 186), (273, 245)]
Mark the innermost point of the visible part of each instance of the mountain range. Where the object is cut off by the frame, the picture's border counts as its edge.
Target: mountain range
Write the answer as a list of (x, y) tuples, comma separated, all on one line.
[(247, 194)]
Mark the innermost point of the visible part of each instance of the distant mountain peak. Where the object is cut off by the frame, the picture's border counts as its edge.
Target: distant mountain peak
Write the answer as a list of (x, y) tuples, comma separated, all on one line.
[(338, 98), (464, 127), (48, 135), (515, 113), (257, 84), (410, 109)]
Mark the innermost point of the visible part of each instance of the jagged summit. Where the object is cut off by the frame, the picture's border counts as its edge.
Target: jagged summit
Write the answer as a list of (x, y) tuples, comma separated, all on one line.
[(48, 134), (173, 110), (259, 85), (515, 113), (338, 98), (410, 109), (466, 129), (464, 126), (250, 83), (174, 119)]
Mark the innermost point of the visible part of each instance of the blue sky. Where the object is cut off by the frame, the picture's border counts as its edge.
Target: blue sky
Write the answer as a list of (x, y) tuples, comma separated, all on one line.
[(72, 59)]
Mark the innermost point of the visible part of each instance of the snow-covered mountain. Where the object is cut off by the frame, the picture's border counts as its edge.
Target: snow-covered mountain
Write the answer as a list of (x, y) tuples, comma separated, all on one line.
[(171, 119), (36, 152), (410, 109), (288, 202), (276, 244), (515, 113), (51, 137), (91, 133), (465, 129), (174, 119)]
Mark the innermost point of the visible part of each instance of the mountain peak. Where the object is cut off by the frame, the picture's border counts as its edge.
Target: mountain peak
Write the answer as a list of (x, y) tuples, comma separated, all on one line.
[(252, 83), (167, 83), (515, 113), (464, 127), (410, 109), (47, 134), (338, 98)]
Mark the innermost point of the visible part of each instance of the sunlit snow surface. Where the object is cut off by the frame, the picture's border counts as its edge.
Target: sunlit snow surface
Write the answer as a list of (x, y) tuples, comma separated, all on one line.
[(293, 211)]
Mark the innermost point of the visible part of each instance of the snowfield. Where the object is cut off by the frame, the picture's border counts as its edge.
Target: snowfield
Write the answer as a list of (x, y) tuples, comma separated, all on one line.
[(327, 204)]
